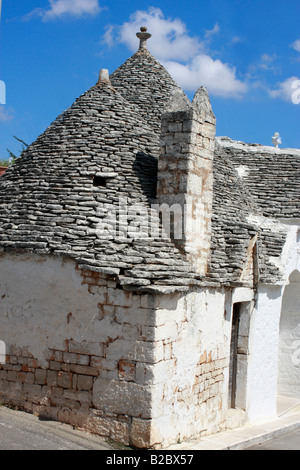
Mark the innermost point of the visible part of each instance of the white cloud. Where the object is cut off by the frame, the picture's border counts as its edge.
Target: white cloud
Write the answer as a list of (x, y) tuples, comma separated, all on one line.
[(266, 62), (286, 90), (170, 40), (296, 45), (184, 56), (108, 37), (219, 78), (236, 40), (211, 32), (5, 115), (60, 8)]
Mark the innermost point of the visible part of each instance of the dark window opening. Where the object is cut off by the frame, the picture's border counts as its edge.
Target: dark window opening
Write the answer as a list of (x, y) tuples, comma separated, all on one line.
[(99, 181)]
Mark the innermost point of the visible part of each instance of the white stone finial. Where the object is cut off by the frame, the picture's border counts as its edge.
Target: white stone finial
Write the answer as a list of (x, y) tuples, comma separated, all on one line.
[(276, 139), (103, 76), (143, 37)]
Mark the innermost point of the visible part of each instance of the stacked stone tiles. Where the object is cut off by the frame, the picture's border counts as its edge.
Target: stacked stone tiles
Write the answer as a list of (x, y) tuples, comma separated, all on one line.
[(144, 82), (233, 229), (50, 204), (271, 175)]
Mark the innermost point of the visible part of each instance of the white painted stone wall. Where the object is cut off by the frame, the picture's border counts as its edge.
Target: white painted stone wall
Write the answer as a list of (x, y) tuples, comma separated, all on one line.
[(265, 382), (75, 346), (289, 334), (289, 340), (190, 394), (39, 308), (158, 361), (149, 369), (263, 361)]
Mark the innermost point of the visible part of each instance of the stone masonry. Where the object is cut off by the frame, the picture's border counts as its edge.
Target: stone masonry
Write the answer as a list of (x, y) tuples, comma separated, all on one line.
[(185, 174), (100, 362)]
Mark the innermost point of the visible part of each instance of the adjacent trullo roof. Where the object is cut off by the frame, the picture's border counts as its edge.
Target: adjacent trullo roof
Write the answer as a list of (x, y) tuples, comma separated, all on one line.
[(63, 193)]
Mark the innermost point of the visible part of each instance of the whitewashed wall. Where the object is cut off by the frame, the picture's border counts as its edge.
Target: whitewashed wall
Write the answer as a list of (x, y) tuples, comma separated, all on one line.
[(266, 379), (149, 369), (263, 362), (289, 340), (190, 393)]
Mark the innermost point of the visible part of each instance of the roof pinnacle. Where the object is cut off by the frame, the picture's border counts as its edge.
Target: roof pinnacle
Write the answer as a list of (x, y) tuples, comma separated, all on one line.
[(143, 37), (104, 77)]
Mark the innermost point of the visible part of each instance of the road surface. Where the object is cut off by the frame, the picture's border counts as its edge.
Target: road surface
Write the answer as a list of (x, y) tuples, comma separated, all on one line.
[(289, 441), (24, 431)]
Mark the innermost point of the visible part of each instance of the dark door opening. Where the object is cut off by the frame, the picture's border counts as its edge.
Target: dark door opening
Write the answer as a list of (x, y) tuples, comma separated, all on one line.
[(234, 355)]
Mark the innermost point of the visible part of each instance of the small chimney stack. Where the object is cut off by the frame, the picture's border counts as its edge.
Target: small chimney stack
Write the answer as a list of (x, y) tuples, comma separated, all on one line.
[(185, 173)]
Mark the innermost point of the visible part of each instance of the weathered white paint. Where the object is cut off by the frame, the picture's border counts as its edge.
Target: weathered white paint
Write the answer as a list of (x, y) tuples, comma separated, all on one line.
[(289, 334), (264, 335), (2, 352), (289, 340), (192, 326), (242, 294), (263, 348), (171, 341), (172, 347), (43, 303)]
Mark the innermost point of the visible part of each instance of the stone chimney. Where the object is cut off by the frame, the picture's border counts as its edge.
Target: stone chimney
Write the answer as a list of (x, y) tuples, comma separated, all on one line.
[(185, 175)]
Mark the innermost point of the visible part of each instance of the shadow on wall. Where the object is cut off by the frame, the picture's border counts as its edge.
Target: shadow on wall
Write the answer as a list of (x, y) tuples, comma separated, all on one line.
[(145, 167)]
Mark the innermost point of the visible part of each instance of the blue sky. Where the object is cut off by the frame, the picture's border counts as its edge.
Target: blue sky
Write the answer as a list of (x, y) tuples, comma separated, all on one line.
[(246, 52)]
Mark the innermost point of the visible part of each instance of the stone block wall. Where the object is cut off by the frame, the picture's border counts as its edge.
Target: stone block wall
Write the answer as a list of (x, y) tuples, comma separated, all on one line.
[(76, 346), (144, 370), (190, 381)]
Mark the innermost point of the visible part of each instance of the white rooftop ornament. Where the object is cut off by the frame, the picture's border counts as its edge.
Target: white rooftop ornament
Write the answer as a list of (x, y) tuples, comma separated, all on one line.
[(143, 37), (276, 139), (103, 75)]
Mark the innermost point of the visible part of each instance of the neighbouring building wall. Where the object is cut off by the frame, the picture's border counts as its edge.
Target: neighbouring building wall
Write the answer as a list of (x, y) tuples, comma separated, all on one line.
[(264, 328), (273, 333), (289, 340)]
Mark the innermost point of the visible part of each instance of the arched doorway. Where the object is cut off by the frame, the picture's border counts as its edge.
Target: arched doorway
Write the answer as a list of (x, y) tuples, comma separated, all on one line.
[(289, 340)]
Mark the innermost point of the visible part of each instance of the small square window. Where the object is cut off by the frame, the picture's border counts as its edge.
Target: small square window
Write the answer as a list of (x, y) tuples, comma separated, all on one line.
[(99, 181)]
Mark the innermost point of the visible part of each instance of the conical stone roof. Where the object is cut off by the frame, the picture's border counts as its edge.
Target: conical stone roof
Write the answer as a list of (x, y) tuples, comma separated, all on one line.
[(65, 194), (144, 82)]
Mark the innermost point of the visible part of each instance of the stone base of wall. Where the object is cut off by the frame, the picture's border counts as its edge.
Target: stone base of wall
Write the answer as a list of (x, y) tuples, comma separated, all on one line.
[(61, 392)]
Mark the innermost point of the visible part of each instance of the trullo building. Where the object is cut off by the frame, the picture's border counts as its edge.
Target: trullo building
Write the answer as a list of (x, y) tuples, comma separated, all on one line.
[(149, 271)]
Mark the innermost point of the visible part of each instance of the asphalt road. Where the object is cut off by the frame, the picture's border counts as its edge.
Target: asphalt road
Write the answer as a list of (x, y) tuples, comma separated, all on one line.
[(289, 441), (24, 431)]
